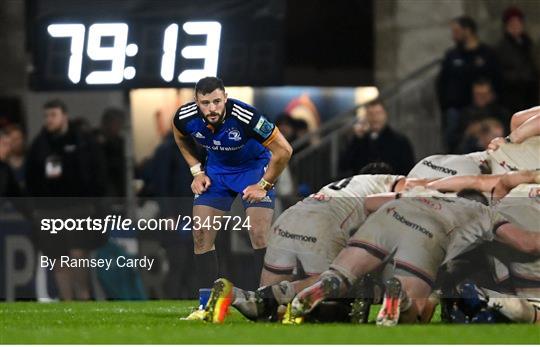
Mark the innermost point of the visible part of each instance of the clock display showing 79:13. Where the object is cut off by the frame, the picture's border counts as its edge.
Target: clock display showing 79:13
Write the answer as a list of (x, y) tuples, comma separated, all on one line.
[(118, 54)]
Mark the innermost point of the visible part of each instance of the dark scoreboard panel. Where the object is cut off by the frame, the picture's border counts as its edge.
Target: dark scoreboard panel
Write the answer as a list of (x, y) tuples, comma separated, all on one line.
[(126, 44)]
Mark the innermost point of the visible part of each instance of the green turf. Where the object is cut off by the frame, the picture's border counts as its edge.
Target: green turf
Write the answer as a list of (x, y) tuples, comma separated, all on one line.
[(158, 322)]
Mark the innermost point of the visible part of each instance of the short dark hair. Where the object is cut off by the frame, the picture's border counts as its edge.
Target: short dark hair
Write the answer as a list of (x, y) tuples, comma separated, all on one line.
[(207, 85), (377, 168), (375, 102), (466, 22), (483, 81), (56, 103), (511, 12), (474, 195)]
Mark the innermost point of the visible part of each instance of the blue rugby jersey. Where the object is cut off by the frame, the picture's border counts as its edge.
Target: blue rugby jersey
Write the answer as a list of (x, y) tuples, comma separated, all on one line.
[(237, 145)]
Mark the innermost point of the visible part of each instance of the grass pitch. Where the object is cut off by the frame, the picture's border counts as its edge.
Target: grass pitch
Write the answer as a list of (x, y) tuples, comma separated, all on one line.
[(159, 322)]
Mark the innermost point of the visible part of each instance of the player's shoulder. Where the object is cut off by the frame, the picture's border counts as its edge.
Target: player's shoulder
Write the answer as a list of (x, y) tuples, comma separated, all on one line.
[(243, 112), (240, 105), (184, 114), (187, 110)]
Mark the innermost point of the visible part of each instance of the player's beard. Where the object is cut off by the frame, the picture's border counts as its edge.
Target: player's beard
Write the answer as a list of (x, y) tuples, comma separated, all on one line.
[(217, 120)]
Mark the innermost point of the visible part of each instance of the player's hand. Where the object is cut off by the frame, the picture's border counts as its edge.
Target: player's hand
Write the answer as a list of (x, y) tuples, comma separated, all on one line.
[(200, 183), (253, 193), (496, 143)]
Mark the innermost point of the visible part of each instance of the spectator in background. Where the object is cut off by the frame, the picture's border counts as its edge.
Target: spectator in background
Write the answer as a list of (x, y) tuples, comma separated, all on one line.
[(168, 180), (520, 75), (286, 125), (17, 154), (8, 183), (484, 105), (480, 133), (468, 61), (81, 125), (64, 163), (292, 129), (111, 141), (301, 129), (168, 175), (285, 187), (375, 141)]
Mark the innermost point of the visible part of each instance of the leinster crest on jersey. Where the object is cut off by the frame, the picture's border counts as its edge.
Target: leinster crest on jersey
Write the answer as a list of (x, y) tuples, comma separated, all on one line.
[(234, 134)]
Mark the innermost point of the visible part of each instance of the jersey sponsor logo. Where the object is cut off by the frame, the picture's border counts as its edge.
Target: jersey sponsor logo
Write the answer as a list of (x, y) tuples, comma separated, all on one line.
[(408, 223), (264, 127), (432, 204), (199, 135), (439, 168), (288, 235), (222, 148), (234, 135)]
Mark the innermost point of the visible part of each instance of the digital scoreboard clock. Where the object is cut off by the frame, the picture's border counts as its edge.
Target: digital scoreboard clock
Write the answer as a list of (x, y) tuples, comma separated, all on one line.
[(123, 44), (88, 43)]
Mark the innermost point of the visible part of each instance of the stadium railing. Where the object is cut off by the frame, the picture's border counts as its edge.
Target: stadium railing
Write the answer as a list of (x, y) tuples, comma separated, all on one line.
[(412, 109)]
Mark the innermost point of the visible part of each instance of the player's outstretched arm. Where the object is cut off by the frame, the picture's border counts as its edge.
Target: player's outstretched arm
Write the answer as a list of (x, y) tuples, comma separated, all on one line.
[(483, 183), (201, 182), (408, 183), (521, 117), (522, 240), (529, 128)]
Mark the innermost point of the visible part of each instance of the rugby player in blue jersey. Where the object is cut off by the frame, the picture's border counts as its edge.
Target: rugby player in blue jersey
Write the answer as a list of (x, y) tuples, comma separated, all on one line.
[(246, 154)]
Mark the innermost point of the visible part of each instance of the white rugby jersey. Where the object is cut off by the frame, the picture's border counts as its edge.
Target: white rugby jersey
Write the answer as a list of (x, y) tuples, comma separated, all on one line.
[(516, 156), (446, 165), (344, 199), (521, 206), (466, 223)]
